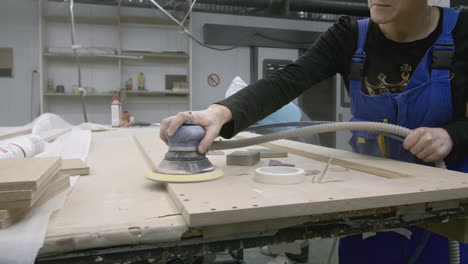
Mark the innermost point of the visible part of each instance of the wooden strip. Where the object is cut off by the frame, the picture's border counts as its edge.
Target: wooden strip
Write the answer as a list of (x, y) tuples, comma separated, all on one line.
[(145, 152), (358, 162)]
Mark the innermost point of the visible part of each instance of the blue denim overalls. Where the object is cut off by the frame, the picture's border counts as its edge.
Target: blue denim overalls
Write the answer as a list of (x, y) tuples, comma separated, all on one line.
[(426, 102)]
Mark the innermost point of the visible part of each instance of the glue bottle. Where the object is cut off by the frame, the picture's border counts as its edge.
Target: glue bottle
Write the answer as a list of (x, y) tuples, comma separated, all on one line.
[(22, 147), (116, 111)]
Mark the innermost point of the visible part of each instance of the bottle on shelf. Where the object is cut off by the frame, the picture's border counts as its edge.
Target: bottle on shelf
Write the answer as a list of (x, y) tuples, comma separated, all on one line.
[(50, 85), (141, 82), (125, 118), (129, 84), (116, 111)]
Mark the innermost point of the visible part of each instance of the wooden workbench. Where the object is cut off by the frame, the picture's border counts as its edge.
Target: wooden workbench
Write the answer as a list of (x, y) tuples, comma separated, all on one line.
[(117, 206)]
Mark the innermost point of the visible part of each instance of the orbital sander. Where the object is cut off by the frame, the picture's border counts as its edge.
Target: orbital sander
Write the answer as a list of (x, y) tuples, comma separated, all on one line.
[(183, 163)]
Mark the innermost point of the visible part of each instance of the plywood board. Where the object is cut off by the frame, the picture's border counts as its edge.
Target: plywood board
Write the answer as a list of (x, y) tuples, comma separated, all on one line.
[(8, 196), (28, 203), (238, 198), (17, 195), (27, 174), (74, 167), (122, 207), (10, 216)]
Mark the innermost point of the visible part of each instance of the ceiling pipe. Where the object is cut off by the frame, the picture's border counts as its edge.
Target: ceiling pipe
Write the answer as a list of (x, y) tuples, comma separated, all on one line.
[(354, 8), (348, 7), (330, 7)]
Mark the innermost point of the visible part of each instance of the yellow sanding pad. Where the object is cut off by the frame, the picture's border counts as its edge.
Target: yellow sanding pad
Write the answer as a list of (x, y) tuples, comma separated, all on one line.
[(173, 178)]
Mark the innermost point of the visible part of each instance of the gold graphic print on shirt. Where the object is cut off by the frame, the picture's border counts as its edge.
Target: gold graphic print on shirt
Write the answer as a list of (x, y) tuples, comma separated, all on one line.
[(385, 87)]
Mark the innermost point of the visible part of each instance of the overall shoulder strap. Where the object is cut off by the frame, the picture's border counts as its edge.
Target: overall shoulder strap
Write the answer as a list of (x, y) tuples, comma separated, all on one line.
[(363, 26), (444, 47), (359, 57)]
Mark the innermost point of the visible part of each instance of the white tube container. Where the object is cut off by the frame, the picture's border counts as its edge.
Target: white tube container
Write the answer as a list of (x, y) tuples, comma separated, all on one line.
[(22, 147)]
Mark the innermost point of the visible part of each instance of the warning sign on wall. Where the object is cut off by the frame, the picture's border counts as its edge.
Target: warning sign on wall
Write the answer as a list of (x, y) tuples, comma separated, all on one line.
[(214, 80)]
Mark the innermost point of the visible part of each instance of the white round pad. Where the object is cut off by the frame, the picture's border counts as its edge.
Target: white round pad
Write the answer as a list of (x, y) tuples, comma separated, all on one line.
[(279, 175)]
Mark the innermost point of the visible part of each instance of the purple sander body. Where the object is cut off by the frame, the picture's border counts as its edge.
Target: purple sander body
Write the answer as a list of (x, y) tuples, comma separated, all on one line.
[(183, 157)]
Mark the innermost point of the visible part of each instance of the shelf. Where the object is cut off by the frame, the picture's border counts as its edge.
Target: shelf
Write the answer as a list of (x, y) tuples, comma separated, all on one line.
[(91, 56), (84, 20), (128, 54), (157, 93), (156, 55), (77, 95), (89, 20), (147, 21)]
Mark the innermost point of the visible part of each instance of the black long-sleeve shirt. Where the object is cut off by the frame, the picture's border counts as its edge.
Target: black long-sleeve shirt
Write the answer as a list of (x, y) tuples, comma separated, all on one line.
[(388, 67)]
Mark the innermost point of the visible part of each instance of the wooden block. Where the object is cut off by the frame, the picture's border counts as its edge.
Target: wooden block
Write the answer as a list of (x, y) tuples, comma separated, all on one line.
[(28, 203), (270, 153), (74, 167), (11, 216), (27, 174), (243, 158)]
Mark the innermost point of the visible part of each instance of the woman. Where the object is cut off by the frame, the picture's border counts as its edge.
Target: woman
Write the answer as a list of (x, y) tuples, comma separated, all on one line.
[(407, 65)]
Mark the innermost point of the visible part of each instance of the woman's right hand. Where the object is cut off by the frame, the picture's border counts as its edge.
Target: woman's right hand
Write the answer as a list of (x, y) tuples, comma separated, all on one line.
[(212, 119)]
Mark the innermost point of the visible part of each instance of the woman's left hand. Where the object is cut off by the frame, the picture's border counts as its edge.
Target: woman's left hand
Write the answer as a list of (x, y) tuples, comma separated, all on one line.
[(429, 144)]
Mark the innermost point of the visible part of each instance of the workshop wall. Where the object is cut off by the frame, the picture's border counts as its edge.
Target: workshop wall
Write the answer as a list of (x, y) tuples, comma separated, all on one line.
[(229, 64), (104, 76), (19, 30)]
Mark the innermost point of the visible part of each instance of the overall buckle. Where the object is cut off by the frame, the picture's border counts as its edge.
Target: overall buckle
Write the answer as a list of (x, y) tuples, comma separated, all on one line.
[(442, 55), (356, 71)]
